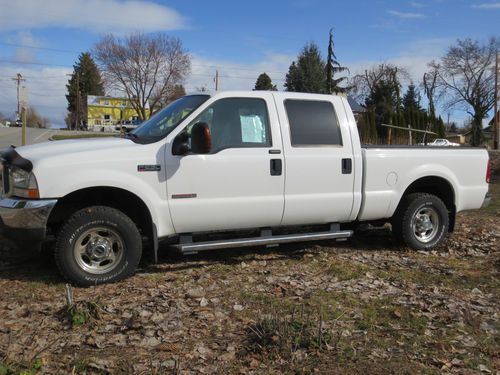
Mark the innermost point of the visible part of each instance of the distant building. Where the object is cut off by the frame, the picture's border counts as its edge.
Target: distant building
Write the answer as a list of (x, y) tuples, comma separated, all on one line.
[(355, 106), (487, 136), (106, 112), (456, 138)]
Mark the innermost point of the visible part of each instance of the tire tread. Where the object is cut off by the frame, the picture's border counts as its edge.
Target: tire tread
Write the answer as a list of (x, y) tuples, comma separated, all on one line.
[(67, 230)]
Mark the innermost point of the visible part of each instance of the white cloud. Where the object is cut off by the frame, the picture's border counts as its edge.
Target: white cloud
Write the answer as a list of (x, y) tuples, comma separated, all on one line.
[(118, 16), (416, 4), (414, 58), (25, 55), (487, 6), (407, 15)]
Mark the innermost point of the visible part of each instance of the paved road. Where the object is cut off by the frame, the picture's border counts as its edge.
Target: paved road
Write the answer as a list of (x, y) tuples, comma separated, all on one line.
[(12, 136)]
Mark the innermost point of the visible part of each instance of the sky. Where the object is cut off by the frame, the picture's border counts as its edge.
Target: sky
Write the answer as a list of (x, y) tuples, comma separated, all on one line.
[(241, 39)]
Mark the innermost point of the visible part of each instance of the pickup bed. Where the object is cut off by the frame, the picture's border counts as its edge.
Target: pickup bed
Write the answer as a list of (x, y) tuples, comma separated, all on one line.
[(235, 169)]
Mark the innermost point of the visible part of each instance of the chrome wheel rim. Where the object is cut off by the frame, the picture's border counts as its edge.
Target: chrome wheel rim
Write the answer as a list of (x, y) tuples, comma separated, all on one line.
[(425, 224), (98, 250)]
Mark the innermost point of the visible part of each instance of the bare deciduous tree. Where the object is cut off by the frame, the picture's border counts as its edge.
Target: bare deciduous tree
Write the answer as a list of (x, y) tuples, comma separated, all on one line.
[(429, 84), (146, 68), (465, 80), (35, 120), (362, 85)]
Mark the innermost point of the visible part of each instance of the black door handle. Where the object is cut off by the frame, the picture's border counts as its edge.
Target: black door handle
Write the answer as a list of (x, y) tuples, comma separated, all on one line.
[(346, 166), (276, 167)]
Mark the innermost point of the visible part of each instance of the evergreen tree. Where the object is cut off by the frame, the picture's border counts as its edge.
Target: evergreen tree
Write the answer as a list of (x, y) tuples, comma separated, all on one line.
[(411, 99), (383, 101), (292, 78), (333, 67), (308, 74), (90, 83), (440, 129), (264, 82)]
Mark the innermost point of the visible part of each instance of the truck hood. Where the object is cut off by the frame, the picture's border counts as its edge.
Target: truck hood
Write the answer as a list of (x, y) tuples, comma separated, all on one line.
[(47, 150)]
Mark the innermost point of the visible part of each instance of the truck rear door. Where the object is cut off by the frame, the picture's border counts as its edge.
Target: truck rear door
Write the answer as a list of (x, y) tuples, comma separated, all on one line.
[(319, 176)]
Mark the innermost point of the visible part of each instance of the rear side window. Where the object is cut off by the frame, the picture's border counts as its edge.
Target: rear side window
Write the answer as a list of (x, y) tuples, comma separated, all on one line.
[(312, 123)]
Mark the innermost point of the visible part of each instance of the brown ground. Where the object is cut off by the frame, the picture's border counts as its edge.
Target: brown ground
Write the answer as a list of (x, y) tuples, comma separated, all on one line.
[(357, 307)]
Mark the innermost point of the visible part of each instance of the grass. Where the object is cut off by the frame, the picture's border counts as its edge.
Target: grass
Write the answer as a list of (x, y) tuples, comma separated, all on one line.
[(28, 369), (290, 331), (61, 137), (82, 313)]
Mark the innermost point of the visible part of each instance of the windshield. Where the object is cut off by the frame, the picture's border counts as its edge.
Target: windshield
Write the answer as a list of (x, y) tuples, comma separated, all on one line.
[(163, 122)]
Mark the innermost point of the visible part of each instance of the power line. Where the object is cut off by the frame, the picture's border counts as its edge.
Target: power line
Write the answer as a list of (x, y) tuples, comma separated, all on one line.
[(37, 47), (228, 67), (198, 74), (33, 63), (192, 74)]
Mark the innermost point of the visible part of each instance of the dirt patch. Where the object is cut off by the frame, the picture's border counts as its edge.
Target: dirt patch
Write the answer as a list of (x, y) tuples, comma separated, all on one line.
[(363, 306)]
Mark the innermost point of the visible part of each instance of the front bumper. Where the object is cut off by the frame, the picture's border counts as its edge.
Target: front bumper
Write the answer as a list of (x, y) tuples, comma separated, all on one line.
[(25, 219), (487, 200)]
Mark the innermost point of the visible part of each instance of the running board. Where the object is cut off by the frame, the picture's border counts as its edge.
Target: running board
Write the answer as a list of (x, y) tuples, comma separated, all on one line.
[(187, 247)]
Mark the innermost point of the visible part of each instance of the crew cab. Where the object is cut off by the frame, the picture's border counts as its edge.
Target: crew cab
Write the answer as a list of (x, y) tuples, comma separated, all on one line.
[(235, 169)]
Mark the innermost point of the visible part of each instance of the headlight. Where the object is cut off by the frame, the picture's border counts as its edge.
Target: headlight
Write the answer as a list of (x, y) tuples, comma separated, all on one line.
[(23, 184)]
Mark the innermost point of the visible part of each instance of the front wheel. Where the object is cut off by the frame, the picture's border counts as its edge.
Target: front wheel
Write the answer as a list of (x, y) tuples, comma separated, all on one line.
[(98, 245), (421, 221)]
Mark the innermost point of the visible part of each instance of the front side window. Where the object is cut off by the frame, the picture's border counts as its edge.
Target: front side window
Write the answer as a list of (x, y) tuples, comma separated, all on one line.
[(166, 120), (236, 123), (312, 123)]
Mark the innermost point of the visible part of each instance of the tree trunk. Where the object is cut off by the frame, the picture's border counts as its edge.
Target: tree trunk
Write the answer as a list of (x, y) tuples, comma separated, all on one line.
[(476, 138)]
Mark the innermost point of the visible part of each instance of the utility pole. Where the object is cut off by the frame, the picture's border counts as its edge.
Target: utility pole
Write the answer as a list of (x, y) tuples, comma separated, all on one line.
[(18, 78), (496, 132), (216, 80), (23, 131)]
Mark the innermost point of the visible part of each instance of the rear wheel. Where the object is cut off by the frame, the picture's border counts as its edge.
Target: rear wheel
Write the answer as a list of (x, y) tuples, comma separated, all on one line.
[(98, 245), (421, 221)]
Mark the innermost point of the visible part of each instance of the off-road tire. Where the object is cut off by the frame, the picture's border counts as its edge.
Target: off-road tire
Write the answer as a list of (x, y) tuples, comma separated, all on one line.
[(404, 218), (85, 220)]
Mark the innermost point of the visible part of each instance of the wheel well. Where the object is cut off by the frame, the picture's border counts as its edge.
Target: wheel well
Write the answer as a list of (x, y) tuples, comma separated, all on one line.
[(120, 199), (439, 187)]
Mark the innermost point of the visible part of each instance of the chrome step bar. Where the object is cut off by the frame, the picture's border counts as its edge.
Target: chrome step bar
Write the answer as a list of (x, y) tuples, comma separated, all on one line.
[(187, 247)]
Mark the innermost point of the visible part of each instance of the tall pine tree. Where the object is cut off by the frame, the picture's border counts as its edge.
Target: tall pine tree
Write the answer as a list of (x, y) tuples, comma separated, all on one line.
[(333, 68), (85, 80)]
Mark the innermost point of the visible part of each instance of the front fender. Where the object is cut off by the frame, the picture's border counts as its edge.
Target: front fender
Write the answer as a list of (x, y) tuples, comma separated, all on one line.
[(147, 186)]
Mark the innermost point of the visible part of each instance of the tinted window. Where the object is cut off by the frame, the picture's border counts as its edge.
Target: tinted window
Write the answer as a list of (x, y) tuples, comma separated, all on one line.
[(312, 123), (236, 122)]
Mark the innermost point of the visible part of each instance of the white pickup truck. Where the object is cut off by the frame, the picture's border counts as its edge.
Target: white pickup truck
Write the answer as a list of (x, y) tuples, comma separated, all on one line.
[(235, 169), (441, 142)]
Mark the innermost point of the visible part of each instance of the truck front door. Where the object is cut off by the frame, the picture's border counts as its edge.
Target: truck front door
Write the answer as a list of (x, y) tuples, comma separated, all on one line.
[(240, 183)]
